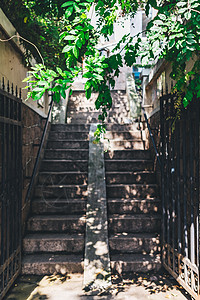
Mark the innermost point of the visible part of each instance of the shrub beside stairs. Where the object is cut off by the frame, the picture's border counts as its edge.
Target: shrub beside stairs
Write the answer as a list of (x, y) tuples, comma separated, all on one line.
[(54, 240)]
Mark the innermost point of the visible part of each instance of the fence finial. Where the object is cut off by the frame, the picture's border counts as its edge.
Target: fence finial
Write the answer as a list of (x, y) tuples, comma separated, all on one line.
[(166, 88), (8, 87), (16, 91), (12, 89), (3, 83)]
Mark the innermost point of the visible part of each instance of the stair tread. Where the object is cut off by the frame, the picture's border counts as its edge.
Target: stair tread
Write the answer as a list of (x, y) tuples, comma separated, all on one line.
[(57, 217), (134, 236), (61, 185), (129, 160), (130, 172), (68, 200), (67, 150), (62, 172), (125, 131), (133, 200), (133, 184), (135, 216), (53, 236), (51, 258), (64, 160), (127, 140), (135, 258), (129, 150), (66, 140)]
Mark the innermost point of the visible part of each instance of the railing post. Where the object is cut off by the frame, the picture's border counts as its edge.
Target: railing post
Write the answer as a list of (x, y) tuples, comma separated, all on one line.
[(39, 153)]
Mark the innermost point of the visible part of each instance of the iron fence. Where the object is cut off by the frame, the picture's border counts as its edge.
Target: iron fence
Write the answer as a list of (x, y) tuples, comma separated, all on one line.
[(10, 186), (180, 192)]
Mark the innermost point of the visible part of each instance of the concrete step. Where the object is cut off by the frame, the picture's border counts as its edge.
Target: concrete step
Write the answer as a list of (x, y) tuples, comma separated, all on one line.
[(74, 110), (125, 135), (58, 206), (125, 127), (128, 154), (134, 223), (56, 223), (145, 177), (84, 115), (81, 107), (66, 178), (68, 135), (134, 243), (123, 145), (72, 154), (136, 206), (61, 191), (55, 243), (68, 144), (128, 165), (116, 119), (128, 191), (64, 165), (80, 120), (70, 127), (129, 263), (46, 264)]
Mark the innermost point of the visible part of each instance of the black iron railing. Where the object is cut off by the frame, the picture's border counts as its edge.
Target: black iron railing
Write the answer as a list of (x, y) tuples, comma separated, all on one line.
[(180, 147), (10, 185), (151, 135), (35, 169)]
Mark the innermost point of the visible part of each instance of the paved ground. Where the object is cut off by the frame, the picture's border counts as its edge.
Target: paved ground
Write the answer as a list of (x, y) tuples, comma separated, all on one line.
[(57, 287)]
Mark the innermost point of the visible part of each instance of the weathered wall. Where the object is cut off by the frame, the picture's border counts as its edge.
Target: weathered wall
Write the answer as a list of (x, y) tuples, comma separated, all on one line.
[(32, 129), (12, 67)]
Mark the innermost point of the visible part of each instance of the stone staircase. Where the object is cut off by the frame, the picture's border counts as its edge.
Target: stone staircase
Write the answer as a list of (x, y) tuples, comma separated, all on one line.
[(56, 227), (83, 111), (133, 204)]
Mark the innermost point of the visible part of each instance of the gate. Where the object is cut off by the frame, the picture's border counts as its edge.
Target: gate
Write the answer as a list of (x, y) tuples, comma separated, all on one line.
[(10, 188), (180, 193)]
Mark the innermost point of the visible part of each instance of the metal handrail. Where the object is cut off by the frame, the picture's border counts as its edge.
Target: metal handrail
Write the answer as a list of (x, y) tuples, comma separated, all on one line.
[(151, 135), (39, 152)]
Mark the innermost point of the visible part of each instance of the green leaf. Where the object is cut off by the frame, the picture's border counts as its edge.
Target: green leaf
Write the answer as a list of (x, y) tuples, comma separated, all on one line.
[(87, 75), (69, 12), (78, 44), (57, 88), (52, 73), (27, 78), (188, 15), (67, 3), (98, 77), (37, 96), (67, 48), (88, 85), (185, 102), (87, 36), (59, 71), (181, 4), (37, 89), (63, 93), (88, 93), (70, 38), (75, 51)]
